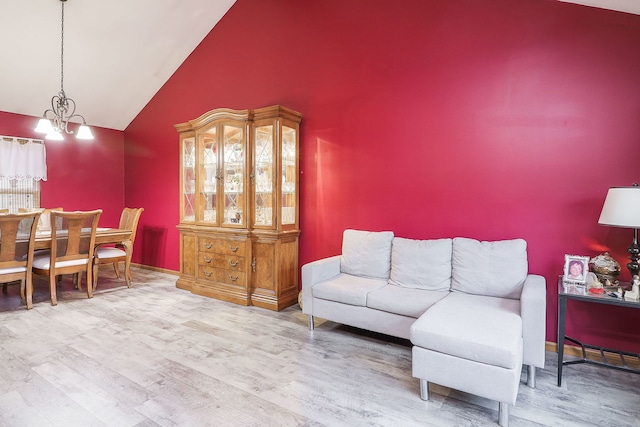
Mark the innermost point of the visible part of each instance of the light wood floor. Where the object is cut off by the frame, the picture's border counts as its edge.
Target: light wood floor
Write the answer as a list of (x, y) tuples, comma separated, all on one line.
[(154, 355)]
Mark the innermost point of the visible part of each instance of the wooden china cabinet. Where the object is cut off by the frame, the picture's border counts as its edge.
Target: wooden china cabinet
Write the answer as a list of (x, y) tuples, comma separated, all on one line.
[(239, 206)]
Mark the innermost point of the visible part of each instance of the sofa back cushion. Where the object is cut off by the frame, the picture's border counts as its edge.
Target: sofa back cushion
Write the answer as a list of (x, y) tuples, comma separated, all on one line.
[(496, 269), (366, 253), (423, 264)]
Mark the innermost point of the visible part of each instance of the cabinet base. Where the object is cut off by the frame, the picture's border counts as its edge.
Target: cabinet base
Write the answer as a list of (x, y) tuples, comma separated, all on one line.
[(224, 293), (184, 284), (274, 303), (229, 295)]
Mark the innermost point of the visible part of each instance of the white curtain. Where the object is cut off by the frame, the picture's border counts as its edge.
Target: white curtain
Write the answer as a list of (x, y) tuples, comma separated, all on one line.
[(22, 158)]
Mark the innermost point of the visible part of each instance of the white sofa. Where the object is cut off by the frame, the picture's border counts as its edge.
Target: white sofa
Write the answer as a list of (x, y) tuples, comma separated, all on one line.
[(471, 309)]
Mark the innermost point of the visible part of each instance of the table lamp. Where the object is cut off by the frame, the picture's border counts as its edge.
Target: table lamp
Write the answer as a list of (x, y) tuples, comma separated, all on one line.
[(622, 209)]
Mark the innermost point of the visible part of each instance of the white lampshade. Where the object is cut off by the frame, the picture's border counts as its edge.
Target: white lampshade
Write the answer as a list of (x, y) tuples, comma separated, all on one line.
[(621, 207), (44, 126), (54, 135), (84, 132)]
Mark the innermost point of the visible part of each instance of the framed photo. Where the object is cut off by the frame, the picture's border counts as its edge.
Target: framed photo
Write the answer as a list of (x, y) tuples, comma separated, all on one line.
[(576, 269)]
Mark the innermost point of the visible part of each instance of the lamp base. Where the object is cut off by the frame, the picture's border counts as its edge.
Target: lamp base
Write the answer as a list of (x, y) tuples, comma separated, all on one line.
[(634, 251), (633, 294)]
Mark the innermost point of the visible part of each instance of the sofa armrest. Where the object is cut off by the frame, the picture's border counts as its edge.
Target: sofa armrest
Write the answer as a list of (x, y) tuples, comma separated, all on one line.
[(315, 272), (533, 310)]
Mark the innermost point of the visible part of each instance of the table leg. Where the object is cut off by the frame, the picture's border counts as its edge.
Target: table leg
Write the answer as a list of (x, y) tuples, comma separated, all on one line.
[(96, 267), (128, 248), (29, 291), (562, 317), (90, 270)]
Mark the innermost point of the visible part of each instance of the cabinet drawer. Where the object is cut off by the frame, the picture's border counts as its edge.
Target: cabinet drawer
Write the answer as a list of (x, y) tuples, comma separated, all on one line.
[(232, 247), (222, 246), (208, 245), (231, 277), (206, 272), (214, 260), (208, 258), (232, 263)]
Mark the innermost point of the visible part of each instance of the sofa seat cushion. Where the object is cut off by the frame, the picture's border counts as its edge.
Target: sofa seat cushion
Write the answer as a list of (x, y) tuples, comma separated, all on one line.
[(474, 327), (410, 302), (366, 253), (347, 289), (495, 269), (424, 264)]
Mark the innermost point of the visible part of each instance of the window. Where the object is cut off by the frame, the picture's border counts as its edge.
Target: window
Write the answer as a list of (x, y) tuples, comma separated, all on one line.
[(19, 193), (23, 163)]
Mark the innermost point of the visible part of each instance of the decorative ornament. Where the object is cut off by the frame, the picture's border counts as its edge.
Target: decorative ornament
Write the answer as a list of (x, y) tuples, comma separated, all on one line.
[(605, 268)]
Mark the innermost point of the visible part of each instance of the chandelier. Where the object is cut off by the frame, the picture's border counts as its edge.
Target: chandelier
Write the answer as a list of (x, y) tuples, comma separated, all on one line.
[(55, 120)]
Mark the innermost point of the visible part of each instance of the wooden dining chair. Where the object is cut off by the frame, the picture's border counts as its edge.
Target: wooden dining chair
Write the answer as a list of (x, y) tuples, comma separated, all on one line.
[(17, 235), (73, 237), (115, 255), (4, 211)]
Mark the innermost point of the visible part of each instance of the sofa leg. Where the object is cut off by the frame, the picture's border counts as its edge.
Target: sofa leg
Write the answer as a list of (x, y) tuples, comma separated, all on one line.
[(503, 414), (311, 324), (531, 376), (424, 389)]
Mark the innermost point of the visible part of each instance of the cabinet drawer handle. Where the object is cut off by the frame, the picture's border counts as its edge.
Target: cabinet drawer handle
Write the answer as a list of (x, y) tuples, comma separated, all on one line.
[(208, 273), (208, 245), (207, 259), (232, 278), (233, 249), (234, 263), (253, 264)]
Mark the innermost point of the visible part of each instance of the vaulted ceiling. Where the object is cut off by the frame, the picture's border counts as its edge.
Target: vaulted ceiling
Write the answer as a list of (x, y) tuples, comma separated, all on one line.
[(117, 53)]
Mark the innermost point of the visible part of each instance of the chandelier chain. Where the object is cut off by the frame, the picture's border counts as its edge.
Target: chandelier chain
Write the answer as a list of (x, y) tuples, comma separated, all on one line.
[(62, 51)]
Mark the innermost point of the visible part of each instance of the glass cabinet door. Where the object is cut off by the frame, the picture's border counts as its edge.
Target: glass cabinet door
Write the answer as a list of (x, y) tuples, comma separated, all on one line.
[(233, 174), (188, 179), (289, 175), (209, 176), (263, 169)]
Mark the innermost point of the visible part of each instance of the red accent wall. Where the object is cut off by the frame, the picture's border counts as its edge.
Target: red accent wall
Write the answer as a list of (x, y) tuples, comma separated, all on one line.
[(491, 120), (82, 175)]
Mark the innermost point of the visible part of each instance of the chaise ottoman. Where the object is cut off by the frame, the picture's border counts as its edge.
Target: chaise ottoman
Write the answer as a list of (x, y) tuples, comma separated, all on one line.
[(471, 343)]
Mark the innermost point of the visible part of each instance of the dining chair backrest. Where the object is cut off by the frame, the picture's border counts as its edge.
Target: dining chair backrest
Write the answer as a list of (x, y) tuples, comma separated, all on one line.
[(44, 224), (4, 211), (75, 235), (129, 220), (17, 236)]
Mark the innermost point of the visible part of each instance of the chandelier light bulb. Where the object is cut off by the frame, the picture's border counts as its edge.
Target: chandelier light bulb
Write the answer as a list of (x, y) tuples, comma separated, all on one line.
[(54, 135), (44, 126), (84, 132)]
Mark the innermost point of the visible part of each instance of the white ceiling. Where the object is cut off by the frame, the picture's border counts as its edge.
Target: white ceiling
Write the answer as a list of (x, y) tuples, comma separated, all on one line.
[(118, 53), (629, 6)]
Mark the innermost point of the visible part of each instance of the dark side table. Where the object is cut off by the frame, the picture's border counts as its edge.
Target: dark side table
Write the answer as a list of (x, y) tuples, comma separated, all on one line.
[(575, 292)]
